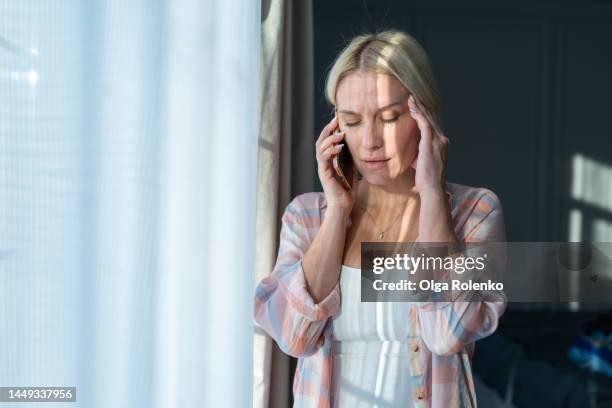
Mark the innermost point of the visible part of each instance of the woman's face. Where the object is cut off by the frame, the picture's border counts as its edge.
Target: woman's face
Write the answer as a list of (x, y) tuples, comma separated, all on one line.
[(382, 136)]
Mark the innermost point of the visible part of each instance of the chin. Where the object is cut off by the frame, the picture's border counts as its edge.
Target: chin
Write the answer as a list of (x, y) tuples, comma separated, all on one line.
[(377, 179), (383, 177)]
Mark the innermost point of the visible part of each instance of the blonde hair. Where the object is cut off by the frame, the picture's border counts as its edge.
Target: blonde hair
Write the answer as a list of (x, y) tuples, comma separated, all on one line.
[(392, 53)]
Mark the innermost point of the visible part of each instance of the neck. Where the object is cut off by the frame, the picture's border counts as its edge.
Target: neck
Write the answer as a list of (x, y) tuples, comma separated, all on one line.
[(392, 194)]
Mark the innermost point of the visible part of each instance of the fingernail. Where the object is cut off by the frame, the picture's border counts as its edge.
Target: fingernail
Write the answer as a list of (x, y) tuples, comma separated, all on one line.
[(339, 145)]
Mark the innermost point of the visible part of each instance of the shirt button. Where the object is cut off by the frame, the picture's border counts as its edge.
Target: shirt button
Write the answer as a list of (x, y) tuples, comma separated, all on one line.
[(420, 395), (415, 347)]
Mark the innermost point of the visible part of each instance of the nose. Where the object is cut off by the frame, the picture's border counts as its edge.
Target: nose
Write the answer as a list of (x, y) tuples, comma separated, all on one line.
[(371, 140)]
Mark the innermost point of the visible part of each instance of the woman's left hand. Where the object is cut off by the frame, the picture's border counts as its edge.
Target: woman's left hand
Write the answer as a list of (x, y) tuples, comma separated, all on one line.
[(431, 161)]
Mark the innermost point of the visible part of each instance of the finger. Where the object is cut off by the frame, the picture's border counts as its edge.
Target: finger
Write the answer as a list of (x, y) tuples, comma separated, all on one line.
[(415, 162), (440, 142), (419, 117), (329, 142), (328, 129), (333, 139), (327, 154), (435, 127), (424, 111)]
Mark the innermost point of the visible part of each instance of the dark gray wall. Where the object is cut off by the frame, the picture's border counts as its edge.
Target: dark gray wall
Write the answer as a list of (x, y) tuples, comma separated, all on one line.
[(524, 87)]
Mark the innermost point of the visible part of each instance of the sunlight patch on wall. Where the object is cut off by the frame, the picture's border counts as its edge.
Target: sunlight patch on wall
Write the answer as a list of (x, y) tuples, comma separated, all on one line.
[(591, 182)]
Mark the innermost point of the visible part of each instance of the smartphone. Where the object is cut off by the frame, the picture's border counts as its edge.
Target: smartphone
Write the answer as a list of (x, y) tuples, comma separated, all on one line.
[(343, 166)]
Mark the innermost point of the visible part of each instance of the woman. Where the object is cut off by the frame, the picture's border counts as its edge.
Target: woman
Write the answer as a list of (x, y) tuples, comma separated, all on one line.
[(354, 354)]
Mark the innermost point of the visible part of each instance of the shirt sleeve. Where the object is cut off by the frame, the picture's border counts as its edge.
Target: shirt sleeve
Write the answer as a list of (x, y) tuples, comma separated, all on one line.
[(447, 327), (283, 306)]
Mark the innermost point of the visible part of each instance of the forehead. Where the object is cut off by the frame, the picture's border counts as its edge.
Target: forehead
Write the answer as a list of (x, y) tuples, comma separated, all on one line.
[(365, 91)]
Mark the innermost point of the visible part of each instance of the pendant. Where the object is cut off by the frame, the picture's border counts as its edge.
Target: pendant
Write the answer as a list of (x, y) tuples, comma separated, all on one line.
[(382, 235)]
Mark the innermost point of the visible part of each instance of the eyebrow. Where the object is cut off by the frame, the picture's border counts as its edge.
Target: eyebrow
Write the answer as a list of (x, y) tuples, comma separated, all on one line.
[(380, 109)]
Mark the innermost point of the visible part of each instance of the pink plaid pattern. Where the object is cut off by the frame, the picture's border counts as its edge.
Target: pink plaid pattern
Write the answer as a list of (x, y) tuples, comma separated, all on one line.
[(444, 333)]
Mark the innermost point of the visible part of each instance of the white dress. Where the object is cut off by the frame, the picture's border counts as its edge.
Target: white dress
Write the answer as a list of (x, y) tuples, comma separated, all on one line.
[(371, 357)]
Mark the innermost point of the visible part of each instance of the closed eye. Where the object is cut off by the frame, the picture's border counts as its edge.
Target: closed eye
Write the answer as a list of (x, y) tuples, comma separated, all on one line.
[(389, 120)]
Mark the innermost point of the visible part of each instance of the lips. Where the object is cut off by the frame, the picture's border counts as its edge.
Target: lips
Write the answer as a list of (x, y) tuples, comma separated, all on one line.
[(374, 164)]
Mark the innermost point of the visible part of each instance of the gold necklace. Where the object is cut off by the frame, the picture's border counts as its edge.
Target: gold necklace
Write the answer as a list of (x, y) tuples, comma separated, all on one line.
[(381, 234)]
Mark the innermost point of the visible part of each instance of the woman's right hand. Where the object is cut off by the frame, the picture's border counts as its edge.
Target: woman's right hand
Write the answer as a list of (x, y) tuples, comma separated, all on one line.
[(327, 145)]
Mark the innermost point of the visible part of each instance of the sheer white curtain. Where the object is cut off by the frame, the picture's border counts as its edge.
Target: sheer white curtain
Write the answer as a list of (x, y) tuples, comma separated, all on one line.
[(128, 135)]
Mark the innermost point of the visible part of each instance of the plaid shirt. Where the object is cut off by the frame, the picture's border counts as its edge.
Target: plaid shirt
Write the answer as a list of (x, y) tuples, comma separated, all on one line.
[(443, 332)]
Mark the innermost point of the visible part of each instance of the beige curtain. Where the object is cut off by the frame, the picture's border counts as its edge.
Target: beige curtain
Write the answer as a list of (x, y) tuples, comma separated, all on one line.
[(285, 162)]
